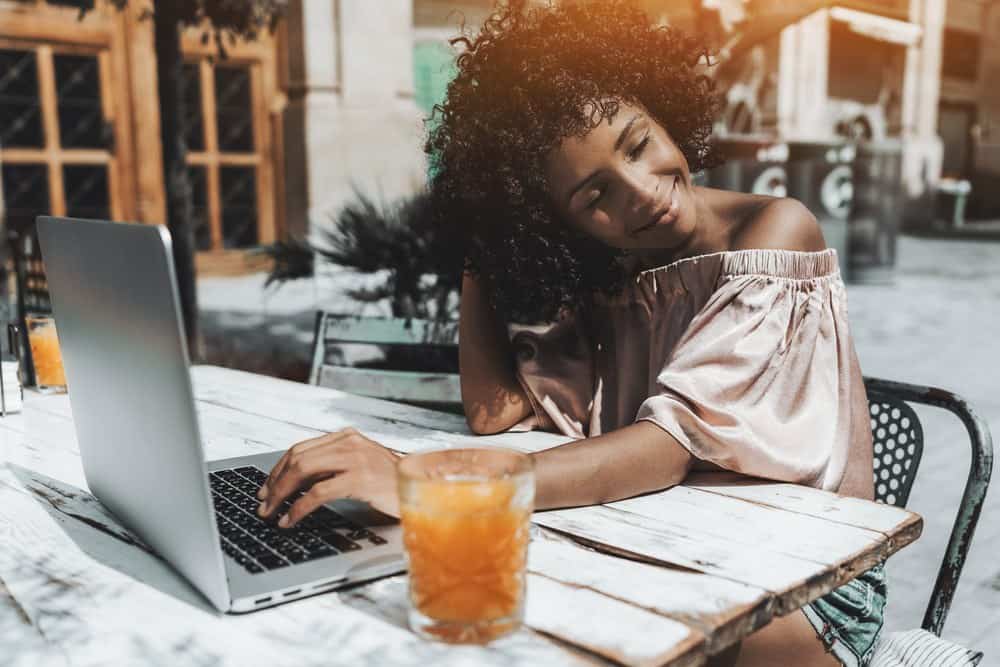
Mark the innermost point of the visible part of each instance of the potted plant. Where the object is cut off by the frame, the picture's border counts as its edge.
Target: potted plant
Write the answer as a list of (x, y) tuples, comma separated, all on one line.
[(408, 264)]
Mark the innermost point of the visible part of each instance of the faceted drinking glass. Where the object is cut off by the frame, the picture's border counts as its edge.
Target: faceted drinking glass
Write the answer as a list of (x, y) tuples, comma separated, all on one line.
[(465, 515)]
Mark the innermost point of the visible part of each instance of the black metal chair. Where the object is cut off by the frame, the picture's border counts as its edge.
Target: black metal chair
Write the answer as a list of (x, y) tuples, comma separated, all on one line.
[(898, 445)]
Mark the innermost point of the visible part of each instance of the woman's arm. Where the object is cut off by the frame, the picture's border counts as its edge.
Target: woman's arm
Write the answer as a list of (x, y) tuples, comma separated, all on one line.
[(491, 395), (636, 459)]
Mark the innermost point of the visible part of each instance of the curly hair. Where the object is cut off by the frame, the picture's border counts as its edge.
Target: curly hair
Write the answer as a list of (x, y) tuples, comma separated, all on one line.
[(528, 80)]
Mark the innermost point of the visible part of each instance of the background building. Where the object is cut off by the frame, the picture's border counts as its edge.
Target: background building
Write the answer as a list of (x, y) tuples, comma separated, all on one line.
[(283, 130)]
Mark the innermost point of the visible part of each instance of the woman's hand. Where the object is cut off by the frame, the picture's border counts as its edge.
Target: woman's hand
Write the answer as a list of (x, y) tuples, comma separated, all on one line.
[(344, 464)]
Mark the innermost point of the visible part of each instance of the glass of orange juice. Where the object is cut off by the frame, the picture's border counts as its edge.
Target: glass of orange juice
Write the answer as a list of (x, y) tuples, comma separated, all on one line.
[(465, 516), (49, 374)]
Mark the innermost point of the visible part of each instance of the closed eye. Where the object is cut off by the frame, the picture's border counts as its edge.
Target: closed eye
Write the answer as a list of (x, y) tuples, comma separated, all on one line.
[(639, 147)]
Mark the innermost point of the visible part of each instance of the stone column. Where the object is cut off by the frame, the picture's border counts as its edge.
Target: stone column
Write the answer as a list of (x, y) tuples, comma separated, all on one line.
[(922, 149), (802, 79), (351, 121)]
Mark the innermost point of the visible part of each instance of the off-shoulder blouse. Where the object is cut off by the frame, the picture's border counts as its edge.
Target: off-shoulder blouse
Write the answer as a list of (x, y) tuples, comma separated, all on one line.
[(744, 357)]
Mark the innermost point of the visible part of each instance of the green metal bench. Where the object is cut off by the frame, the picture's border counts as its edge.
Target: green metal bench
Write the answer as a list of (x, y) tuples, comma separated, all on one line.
[(423, 338)]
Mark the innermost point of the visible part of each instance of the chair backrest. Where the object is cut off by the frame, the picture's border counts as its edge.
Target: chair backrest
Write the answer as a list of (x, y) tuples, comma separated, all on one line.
[(421, 342), (898, 441)]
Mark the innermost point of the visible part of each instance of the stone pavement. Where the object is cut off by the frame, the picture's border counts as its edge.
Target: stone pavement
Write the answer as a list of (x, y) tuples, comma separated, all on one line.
[(937, 324)]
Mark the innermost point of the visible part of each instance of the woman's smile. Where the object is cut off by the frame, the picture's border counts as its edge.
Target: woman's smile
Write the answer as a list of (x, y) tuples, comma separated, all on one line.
[(665, 214)]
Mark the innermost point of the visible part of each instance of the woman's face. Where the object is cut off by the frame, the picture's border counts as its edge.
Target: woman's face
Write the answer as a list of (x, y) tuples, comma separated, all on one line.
[(625, 183)]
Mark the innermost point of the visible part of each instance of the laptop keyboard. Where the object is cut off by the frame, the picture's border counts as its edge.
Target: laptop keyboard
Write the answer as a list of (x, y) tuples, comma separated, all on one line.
[(260, 545)]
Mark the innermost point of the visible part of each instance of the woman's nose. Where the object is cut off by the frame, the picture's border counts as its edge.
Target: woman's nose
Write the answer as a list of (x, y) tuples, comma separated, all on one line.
[(643, 189)]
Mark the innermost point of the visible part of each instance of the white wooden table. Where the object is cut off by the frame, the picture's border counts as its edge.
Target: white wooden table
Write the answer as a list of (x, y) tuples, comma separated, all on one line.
[(667, 578)]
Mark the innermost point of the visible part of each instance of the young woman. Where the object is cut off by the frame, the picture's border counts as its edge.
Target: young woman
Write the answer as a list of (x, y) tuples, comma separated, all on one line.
[(689, 328)]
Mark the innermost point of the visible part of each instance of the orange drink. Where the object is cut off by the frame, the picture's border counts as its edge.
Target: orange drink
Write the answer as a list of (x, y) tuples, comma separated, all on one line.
[(45, 355), (465, 516)]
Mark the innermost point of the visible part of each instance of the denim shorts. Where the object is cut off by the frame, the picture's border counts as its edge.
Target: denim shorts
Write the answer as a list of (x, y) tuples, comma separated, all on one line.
[(849, 619)]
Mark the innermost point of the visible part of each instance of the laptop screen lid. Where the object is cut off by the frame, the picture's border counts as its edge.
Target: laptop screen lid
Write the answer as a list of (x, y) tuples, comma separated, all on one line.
[(118, 316)]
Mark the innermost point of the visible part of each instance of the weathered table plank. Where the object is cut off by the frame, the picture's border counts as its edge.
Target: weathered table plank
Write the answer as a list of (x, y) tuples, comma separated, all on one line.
[(749, 543), (746, 523), (20, 642), (723, 611), (619, 630), (388, 600), (405, 428), (887, 519), (633, 534)]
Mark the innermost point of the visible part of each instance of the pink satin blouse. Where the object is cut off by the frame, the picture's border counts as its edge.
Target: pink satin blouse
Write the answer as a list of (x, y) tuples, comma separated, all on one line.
[(745, 357)]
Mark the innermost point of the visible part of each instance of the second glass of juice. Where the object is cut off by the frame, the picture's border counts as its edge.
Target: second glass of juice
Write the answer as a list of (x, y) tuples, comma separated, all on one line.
[(45, 353), (465, 515)]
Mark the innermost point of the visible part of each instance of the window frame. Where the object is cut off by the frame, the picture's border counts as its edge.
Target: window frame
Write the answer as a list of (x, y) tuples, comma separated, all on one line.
[(52, 154), (259, 56)]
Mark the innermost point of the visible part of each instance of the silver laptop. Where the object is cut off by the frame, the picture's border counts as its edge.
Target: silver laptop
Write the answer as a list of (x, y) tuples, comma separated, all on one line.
[(116, 305)]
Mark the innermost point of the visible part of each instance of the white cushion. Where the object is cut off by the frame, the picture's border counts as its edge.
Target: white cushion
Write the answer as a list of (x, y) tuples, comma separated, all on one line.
[(919, 648)]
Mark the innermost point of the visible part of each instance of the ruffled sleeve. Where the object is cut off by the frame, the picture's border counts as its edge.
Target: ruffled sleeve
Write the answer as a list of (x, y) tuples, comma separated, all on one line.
[(761, 380)]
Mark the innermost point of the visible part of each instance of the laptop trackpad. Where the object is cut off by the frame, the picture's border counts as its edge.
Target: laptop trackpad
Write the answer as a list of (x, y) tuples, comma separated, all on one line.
[(361, 513)]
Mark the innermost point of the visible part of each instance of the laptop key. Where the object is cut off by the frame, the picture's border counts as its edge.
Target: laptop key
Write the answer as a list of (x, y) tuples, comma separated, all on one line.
[(256, 475), (272, 562), (359, 534), (309, 523), (341, 543), (308, 542), (248, 487), (246, 518), (230, 532), (248, 504), (321, 552), (314, 532), (295, 555), (259, 530), (283, 545), (267, 534), (257, 550), (244, 541), (253, 567)]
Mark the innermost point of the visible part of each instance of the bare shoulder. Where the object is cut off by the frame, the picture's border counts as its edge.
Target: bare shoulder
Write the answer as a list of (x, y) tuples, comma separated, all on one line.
[(779, 224)]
